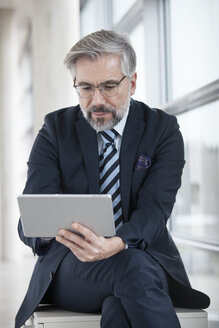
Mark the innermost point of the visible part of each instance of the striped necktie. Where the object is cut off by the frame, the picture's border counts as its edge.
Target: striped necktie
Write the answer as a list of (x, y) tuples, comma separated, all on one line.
[(110, 173)]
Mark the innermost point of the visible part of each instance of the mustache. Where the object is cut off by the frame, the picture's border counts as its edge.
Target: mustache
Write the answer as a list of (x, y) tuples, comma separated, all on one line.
[(100, 109)]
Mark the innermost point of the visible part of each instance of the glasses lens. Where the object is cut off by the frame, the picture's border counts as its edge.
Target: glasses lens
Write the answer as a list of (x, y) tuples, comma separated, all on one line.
[(85, 91), (109, 89)]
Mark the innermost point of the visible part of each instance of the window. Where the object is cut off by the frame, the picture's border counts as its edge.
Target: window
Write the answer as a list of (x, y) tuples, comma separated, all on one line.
[(87, 18), (197, 210), (193, 95), (137, 39), (95, 15), (194, 35), (203, 270), (120, 8)]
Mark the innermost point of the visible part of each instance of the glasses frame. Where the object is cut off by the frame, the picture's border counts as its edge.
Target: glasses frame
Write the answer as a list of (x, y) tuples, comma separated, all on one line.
[(94, 87)]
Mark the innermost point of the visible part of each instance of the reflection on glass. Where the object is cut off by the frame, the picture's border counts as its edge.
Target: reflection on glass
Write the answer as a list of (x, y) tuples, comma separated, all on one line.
[(203, 269), (197, 207), (120, 8), (194, 44)]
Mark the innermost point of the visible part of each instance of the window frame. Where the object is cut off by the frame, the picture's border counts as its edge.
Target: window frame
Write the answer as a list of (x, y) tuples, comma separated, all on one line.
[(207, 94)]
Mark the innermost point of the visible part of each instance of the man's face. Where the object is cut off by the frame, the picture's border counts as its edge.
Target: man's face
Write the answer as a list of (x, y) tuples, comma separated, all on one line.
[(101, 111)]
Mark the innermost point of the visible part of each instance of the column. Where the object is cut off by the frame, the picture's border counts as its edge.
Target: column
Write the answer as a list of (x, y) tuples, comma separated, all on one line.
[(8, 100), (55, 30)]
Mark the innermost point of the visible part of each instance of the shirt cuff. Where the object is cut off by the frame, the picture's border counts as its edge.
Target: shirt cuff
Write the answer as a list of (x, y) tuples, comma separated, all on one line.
[(130, 246), (44, 241)]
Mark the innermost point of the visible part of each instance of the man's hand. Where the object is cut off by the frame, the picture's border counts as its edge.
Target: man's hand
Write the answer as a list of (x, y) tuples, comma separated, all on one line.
[(91, 247)]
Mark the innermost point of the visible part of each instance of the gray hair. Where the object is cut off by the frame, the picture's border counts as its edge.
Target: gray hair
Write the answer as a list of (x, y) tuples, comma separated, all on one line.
[(103, 42)]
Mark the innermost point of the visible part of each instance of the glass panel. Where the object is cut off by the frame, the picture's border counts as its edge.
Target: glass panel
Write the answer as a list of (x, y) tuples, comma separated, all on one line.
[(88, 14), (197, 207), (195, 44), (202, 267), (137, 39), (120, 7)]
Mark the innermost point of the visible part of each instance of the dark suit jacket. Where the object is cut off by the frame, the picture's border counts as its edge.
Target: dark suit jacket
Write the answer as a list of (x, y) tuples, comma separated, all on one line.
[(64, 159)]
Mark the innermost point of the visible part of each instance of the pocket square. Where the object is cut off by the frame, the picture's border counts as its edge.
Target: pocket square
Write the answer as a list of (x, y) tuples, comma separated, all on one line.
[(143, 162)]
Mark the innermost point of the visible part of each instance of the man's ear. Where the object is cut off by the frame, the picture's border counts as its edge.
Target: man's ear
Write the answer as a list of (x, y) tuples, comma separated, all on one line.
[(133, 80)]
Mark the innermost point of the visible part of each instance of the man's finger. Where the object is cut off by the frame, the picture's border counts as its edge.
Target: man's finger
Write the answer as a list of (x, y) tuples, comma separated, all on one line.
[(86, 232), (72, 237), (66, 242)]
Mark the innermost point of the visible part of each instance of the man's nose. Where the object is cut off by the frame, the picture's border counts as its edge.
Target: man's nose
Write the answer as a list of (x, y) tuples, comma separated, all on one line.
[(98, 99)]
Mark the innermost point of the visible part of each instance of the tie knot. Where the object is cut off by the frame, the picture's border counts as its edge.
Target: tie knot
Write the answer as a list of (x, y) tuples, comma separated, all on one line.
[(108, 136)]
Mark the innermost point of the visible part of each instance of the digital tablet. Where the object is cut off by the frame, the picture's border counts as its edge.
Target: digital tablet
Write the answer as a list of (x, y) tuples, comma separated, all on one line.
[(44, 215)]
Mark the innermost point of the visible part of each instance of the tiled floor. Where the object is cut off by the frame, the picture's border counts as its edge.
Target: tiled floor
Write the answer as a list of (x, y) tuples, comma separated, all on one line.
[(14, 280)]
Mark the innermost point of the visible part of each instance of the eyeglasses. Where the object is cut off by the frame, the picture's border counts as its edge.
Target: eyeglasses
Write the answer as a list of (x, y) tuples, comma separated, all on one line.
[(107, 89)]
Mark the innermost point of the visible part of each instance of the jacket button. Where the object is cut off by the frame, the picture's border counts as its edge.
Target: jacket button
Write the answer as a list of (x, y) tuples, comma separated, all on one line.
[(51, 275)]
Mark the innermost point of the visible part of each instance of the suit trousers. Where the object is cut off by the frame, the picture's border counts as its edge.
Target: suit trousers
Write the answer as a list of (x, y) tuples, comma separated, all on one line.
[(129, 288)]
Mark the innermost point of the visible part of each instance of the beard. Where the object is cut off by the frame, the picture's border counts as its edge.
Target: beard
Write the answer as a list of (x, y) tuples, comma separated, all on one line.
[(100, 123)]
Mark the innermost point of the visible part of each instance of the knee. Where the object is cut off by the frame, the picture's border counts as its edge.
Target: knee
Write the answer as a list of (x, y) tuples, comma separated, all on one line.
[(111, 303), (131, 264), (130, 258)]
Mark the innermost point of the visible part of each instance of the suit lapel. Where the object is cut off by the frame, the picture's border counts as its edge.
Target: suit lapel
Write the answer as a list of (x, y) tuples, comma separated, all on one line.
[(131, 139), (88, 142)]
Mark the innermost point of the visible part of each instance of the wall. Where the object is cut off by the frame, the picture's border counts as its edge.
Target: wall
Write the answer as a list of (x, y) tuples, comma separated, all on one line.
[(35, 36)]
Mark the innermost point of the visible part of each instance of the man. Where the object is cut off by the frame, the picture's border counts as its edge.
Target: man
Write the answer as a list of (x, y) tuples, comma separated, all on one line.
[(110, 144)]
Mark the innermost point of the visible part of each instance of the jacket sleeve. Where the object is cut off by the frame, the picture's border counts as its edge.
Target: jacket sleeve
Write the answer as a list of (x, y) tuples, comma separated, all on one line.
[(155, 197), (43, 173)]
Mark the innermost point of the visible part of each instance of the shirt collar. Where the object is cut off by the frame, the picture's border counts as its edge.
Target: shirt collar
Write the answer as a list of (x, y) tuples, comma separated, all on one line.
[(119, 127)]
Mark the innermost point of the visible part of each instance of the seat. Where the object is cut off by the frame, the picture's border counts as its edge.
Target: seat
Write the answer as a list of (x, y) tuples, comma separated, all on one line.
[(53, 317)]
